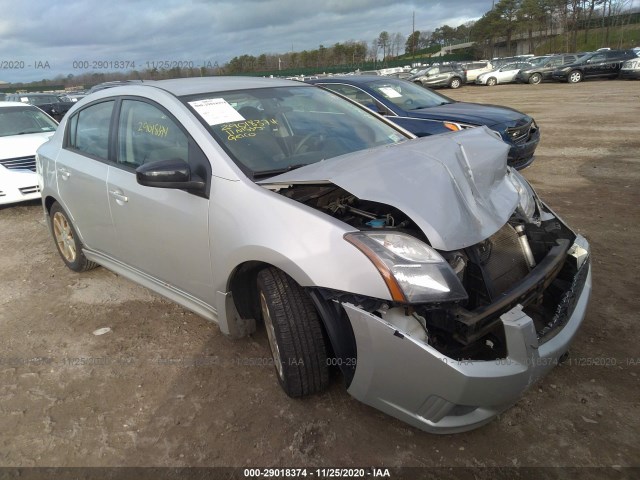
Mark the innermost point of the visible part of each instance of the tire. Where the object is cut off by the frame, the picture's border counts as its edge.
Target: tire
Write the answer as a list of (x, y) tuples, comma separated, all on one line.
[(535, 79), (455, 83), (67, 240), (575, 76), (492, 81), (296, 335)]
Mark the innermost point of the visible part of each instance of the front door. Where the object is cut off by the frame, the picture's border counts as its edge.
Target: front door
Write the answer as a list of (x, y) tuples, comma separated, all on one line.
[(162, 232)]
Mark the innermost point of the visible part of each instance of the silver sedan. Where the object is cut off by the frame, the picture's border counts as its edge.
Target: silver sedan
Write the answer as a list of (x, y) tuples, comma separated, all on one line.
[(425, 270)]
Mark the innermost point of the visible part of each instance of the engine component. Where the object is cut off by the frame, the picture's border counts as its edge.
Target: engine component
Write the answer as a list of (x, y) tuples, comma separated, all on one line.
[(526, 248)]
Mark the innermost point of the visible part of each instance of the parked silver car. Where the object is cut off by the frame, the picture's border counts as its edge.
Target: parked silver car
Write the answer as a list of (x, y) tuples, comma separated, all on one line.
[(426, 270)]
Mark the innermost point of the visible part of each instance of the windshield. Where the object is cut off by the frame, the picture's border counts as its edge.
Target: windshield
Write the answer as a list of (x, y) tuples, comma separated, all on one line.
[(272, 130), (407, 95), (23, 120)]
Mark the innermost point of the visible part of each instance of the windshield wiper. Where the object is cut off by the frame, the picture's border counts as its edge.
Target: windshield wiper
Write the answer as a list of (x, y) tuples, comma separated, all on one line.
[(271, 173)]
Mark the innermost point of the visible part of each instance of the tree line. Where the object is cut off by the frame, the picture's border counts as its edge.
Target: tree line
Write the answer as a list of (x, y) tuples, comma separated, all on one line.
[(510, 18)]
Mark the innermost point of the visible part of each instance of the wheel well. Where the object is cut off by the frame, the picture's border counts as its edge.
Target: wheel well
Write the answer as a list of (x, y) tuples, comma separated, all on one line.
[(244, 289), (337, 328), (48, 202)]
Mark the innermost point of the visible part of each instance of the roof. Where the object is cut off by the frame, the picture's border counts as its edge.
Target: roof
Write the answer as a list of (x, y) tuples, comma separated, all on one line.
[(196, 85)]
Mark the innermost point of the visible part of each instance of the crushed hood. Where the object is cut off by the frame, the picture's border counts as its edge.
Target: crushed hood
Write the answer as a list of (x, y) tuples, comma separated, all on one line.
[(455, 187)]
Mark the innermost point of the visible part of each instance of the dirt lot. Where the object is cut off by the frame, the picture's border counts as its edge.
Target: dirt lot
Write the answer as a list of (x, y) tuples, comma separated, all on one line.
[(165, 388)]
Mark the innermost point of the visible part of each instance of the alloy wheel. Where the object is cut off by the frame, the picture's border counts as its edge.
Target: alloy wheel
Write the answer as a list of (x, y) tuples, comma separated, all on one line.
[(64, 237)]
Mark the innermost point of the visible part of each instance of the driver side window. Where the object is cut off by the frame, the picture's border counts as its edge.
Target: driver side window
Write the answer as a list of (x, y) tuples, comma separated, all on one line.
[(147, 134)]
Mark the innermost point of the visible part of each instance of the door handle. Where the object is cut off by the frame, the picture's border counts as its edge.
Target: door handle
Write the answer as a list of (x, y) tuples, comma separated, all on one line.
[(119, 196), (64, 173)]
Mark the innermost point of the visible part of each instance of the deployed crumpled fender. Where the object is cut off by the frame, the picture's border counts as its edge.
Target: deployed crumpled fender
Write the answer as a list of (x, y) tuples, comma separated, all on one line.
[(455, 187)]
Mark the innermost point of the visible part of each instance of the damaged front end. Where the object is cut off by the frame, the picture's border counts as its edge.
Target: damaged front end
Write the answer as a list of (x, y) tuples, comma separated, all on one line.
[(472, 321)]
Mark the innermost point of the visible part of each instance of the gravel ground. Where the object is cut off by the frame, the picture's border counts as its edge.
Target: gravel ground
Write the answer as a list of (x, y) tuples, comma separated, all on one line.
[(165, 388)]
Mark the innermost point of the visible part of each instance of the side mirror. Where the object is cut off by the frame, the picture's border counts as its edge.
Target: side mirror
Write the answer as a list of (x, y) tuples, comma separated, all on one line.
[(174, 173)]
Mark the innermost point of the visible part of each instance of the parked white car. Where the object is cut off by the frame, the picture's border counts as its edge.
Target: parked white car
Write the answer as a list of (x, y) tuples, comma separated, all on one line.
[(504, 74), (23, 128), (475, 69)]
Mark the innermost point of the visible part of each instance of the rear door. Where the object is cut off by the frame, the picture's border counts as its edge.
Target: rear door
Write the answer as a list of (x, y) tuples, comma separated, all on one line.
[(82, 168), (162, 232)]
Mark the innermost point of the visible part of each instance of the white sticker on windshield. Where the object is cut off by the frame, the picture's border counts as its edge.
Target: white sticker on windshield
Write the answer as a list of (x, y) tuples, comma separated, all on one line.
[(390, 92), (215, 111), (24, 99)]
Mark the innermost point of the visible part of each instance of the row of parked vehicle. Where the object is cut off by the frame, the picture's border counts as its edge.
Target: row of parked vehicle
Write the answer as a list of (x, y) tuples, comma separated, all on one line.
[(570, 67)]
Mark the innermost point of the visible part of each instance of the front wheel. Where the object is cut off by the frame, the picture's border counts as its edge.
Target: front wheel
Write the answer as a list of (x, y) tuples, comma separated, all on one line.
[(455, 83), (67, 241), (295, 333), (535, 79), (575, 76), (492, 82)]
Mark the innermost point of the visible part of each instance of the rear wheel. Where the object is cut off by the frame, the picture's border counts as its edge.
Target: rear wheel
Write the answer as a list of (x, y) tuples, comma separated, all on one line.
[(492, 81), (295, 333), (575, 76), (67, 241), (455, 83), (535, 79)]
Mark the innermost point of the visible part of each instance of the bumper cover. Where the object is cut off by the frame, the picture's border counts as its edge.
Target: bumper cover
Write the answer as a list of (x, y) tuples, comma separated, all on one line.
[(18, 186), (521, 154), (415, 383)]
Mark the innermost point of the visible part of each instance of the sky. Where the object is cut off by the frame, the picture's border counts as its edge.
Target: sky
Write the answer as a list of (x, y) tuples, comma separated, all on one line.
[(43, 38)]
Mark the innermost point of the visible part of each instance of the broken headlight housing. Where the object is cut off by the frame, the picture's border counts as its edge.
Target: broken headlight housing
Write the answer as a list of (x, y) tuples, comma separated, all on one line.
[(526, 196), (413, 271)]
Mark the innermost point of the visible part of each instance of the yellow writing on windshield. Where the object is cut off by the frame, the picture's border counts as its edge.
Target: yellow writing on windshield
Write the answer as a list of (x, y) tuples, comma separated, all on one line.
[(248, 128)]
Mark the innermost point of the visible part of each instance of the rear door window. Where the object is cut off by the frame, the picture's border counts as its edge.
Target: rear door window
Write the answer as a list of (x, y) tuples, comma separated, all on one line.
[(88, 130)]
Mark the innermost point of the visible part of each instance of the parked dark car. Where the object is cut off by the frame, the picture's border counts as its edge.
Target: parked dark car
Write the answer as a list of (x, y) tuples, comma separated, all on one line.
[(544, 69), (451, 75), (48, 102), (597, 64), (424, 112)]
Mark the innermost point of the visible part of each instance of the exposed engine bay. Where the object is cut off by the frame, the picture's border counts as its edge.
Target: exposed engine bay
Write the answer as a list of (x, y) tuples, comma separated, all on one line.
[(528, 262)]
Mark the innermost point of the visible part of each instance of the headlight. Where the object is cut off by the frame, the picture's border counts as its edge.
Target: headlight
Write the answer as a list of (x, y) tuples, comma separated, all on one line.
[(413, 271), (527, 200), (456, 127)]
